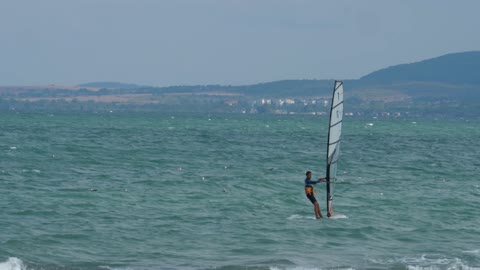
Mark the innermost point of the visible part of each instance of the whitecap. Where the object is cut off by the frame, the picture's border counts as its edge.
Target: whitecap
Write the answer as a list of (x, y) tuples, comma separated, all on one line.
[(427, 262), (12, 264), (475, 251), (435, 261)]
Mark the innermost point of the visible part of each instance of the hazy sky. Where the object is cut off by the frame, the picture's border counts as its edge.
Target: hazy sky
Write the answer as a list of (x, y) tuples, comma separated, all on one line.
[(185, 42)]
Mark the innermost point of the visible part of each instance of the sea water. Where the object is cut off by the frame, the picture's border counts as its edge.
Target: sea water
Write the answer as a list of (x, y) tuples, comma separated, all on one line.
[(215, 191)]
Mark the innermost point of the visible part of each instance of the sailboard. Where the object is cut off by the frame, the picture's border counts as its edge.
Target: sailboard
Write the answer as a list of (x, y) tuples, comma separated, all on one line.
[(333, 145)]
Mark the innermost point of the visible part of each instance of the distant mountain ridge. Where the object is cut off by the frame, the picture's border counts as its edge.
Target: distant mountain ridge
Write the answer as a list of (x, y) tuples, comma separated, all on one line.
[(454, 68), (444, 75), (450, 78)]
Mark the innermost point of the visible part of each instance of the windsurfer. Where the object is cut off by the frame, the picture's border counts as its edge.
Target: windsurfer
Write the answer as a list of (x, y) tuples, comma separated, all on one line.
[(310, 192)]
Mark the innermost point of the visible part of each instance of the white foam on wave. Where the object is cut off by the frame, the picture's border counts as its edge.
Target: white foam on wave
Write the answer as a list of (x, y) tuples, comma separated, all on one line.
[(475, 251), (450, 267), (437, 262), (429, 262), (12, 264)]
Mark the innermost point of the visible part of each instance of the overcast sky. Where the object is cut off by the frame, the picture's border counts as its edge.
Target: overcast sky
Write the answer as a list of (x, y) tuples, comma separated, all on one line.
[(185, 42)]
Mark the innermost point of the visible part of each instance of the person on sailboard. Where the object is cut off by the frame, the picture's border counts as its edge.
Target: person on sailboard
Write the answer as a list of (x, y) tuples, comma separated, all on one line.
[(310, 192)]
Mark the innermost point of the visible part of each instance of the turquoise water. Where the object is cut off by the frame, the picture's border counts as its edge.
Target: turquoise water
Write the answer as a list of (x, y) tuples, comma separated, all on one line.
[(158, 191)]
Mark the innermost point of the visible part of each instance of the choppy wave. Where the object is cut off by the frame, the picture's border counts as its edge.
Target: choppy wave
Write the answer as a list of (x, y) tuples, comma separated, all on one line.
[(426, 262), (128, 192)]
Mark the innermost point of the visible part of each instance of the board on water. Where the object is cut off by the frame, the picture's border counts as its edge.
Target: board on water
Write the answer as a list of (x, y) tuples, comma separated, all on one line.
[(337, 216), (333, 145)]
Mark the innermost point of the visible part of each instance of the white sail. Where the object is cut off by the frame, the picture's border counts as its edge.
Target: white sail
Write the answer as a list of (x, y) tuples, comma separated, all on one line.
[(334, 138)]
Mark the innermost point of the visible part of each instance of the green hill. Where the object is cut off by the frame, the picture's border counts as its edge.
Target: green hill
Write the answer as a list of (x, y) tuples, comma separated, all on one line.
[(454, 68), (455, 74)]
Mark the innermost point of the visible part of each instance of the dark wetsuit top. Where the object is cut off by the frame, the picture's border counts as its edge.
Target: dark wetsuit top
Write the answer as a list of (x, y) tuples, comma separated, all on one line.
[(309, 189)]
